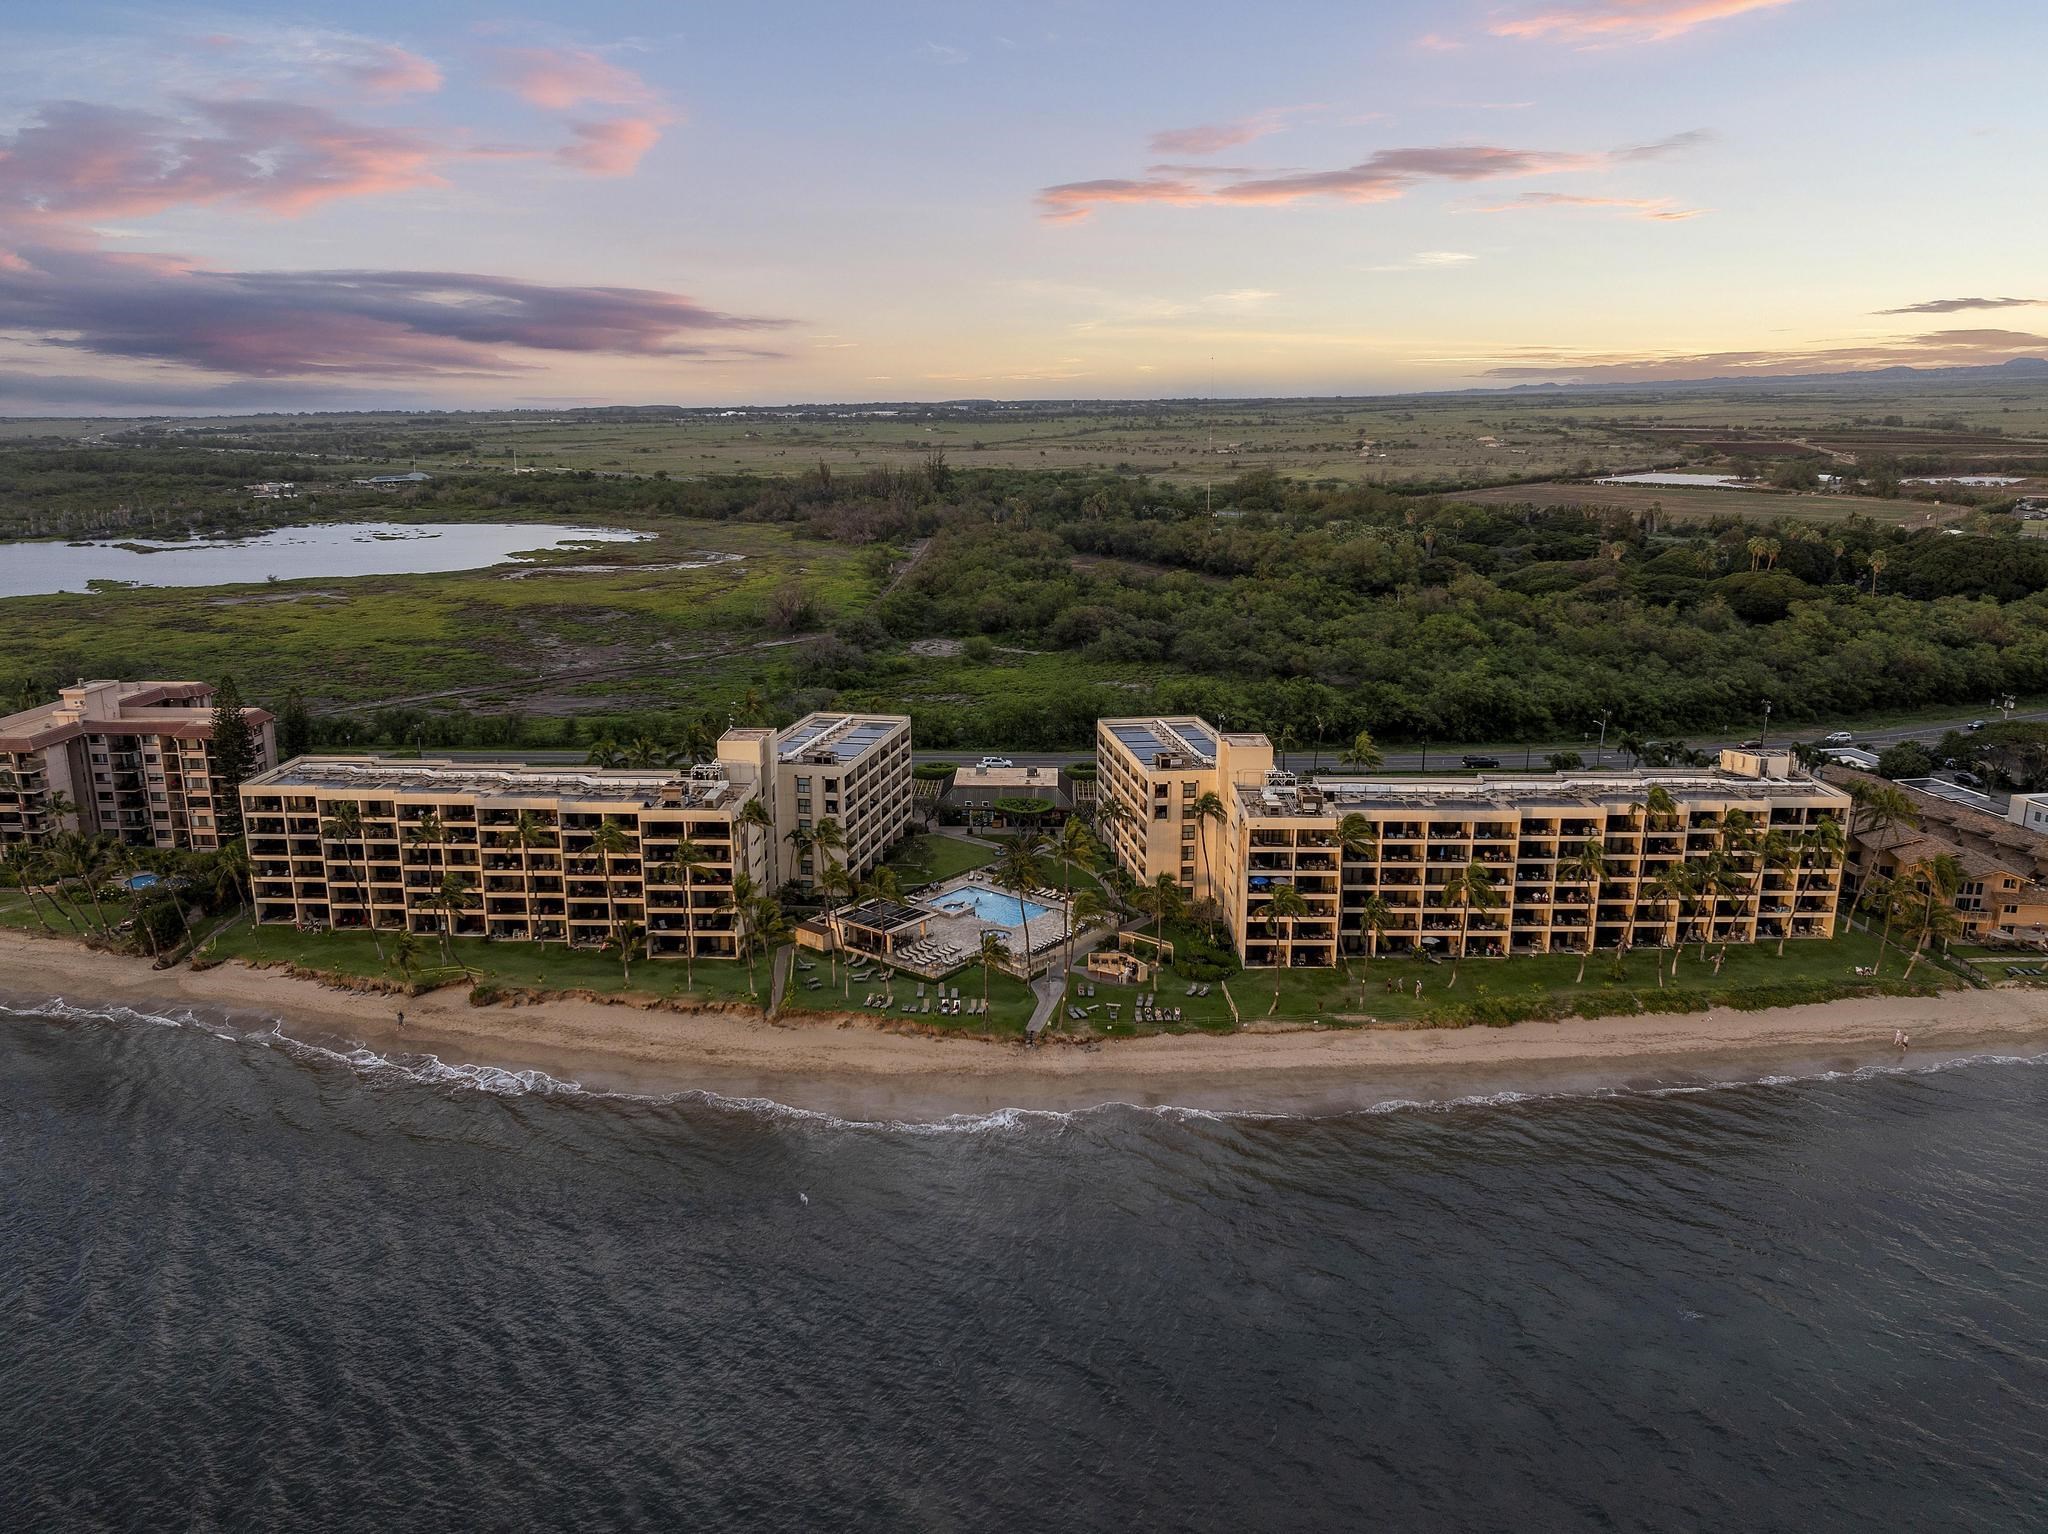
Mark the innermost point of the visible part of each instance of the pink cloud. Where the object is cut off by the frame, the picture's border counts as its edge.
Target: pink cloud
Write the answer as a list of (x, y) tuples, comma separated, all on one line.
[(613, 147), (1663, 209), (1627, 21), (560, 80), (1381, 177), (388, 70), (81, 159), (1213, 138), (163, 310), (1436, 42)]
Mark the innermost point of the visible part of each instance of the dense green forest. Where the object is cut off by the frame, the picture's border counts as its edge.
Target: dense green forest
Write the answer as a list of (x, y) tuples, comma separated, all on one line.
[(1313, 610)]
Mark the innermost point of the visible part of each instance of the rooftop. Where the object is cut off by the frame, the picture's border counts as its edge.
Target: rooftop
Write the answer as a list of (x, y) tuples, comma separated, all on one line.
[(700, 787), (116, 708), (836, 737), (1321, 797), (1149, 739)]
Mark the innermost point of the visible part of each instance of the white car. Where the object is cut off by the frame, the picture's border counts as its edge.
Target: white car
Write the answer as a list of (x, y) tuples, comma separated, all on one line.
[(997, 761), (1839, 738)]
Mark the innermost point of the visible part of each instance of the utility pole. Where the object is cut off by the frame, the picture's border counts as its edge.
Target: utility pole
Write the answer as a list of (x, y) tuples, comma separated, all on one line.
[(1600, 750), (1764, 739)]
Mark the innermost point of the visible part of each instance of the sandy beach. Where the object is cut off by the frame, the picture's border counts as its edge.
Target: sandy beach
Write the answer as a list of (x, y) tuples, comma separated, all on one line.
[(858, 1070)]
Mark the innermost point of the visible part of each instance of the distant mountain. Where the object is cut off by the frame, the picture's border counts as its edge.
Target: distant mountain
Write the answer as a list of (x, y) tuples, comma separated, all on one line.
[(2019, 368)]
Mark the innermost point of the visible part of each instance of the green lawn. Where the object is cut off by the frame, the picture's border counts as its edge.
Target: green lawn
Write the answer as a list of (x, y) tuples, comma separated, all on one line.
[(1010, 999), (1205, 1014), (929, 859), (1383, 990), (15, 912), (527, 966)]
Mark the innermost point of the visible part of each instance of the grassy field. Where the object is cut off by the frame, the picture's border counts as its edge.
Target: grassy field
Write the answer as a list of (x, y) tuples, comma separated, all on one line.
[(930, 859), (376, 639), (541, 966), (1691, 503), (1010, 1000), (1384, 990)]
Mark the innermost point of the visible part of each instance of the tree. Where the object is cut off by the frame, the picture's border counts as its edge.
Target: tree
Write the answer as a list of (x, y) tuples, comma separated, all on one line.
[(1564, 761), (1075, 848), (1283, 903), (687, 859), (294, 727), (835, 884), (1363, 754), (740, 900), (1587, 866), (83, 858), (1876, 561), (1469, 889), (20, 861), (829, 839), (609, 839), (1374, 917), (1907, 759), (1886, 896), (1671, 888), (405, 952), (1162, 900), (630, 933), (1021, 869), (231, 757), (606, 753), (994, 951), (451, 900), (1882, 807), (345, 827), (753, 820), (1825, 844), (1206, 808)]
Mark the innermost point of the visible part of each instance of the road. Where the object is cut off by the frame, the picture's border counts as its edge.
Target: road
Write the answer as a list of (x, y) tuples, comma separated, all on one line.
[(1436, 758)]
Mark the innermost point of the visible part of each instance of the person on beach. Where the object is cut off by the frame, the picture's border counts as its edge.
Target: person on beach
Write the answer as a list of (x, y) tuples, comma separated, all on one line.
[(1901, 1038), (401, 1019)]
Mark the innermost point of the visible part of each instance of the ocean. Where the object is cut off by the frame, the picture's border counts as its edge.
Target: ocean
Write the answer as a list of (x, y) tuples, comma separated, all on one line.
[(251, 1284)]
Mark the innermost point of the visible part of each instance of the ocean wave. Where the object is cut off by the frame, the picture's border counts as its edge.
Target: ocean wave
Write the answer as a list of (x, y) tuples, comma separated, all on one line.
[(430, 1070)]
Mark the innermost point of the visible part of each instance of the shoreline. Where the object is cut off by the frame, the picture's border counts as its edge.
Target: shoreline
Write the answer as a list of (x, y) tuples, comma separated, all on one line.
[(854, 1070)]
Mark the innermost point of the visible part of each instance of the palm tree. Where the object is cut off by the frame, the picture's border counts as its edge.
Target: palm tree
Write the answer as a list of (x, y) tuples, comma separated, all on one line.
[(452, 898), (1020, 869), (345, 826), (1363, 753), (1888, 896), (834, 884), (739, 900), (1074, 848), (752, 819), (231, 862), (1877, 560), (629, 932), (1357, 838), (59, 806), (606, 753), (1720, 880), (1110, 812), (1469, 889), (993, 952), (1825, 843), (21, 863), (84, 859), (1939, 920), (828, 838), (799, 839), (686, 860), (1204, 809), (1587, 866), (1671, 887), (1374, 916), (1882, 807), (609, 839), (1775, 849), (1283, 903), (645, 751), (405, 952)]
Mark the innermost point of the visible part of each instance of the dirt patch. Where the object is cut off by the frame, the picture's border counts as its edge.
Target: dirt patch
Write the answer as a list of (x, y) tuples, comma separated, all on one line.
[(937, 649)]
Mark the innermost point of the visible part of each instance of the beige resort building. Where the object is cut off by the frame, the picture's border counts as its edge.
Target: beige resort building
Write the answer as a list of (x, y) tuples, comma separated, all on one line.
[(523, 841), (135, 757), (1522, 829)]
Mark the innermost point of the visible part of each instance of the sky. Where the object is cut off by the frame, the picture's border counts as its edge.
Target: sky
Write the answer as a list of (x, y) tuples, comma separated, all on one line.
[(642, 201)]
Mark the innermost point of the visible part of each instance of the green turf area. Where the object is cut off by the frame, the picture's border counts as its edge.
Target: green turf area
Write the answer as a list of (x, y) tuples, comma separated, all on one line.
[(16, 912), (1010, 1000), (934, 857), (526, 966), (1530, 986), (1205, 1014)]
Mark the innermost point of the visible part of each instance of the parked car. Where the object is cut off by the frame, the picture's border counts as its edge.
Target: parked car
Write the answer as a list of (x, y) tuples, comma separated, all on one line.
[(997, 761), (1976, 724), (1838, 738), (1969, 780), (1482, 761)]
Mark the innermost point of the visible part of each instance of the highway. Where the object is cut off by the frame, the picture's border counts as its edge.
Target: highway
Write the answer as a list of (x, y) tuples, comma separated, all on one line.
[(1434, 759)]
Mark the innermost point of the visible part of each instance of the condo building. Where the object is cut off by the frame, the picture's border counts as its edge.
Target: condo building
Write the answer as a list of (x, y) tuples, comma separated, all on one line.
[(135, 758), (1489, 865), (575, 855)]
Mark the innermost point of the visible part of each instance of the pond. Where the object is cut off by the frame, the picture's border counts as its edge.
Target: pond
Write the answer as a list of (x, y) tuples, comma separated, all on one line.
[(332, 551), (1693, 481)]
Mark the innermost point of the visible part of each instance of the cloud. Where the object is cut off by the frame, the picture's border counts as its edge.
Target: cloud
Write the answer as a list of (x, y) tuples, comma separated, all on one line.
[(612, 147), (160, 309), (1427, 261), (1934, 348), (1598, 22), (49, 391), (384, 69), (1382, 177), (942, 53), (560, 80), (1662, 209), (81, 159), (1436, 42), (1214, 138), (1953, 305)]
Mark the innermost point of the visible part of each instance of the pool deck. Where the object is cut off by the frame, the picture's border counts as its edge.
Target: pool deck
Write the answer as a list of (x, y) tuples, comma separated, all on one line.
[(962, 930)]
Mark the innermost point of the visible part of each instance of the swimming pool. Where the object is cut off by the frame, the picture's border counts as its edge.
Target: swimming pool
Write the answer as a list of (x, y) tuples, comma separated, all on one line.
[(991, 906)]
